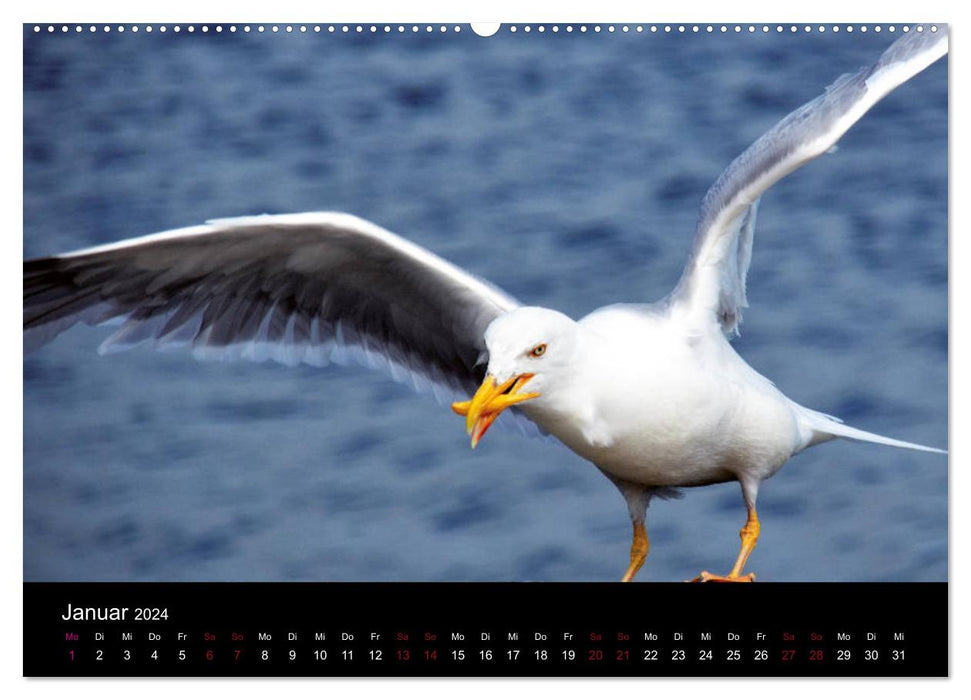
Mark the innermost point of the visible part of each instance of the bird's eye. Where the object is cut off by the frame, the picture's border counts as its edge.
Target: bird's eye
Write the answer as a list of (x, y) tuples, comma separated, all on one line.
[(538, 351)]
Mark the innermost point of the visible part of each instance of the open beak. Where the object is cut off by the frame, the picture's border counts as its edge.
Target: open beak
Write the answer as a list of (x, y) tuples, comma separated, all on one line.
[(489, 401)]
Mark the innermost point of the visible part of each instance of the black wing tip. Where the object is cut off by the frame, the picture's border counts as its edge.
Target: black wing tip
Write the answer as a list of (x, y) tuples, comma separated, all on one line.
[(33, 266)]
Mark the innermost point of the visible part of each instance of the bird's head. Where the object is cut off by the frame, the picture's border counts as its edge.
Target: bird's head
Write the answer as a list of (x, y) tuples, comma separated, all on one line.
[(530, 349)]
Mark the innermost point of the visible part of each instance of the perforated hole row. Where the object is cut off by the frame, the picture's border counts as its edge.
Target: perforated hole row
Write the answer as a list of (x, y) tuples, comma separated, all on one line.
[(722, 28), (247, 28), (441, 29)]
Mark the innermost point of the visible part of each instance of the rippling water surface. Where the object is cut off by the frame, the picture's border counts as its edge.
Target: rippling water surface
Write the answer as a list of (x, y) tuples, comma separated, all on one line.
[(568, 170)]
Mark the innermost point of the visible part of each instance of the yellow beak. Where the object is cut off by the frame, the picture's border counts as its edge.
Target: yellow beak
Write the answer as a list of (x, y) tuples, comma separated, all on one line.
[(489, 401)]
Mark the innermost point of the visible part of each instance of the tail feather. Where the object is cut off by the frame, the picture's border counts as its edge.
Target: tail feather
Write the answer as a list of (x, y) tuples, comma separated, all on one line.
[(823, 428)]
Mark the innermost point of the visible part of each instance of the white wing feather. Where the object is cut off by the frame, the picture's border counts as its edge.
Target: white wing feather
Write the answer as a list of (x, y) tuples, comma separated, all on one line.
[(712, 287)]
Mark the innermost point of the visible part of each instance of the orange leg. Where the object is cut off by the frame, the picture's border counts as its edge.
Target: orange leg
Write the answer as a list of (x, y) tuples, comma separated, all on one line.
[(750, 535), (638, 552)]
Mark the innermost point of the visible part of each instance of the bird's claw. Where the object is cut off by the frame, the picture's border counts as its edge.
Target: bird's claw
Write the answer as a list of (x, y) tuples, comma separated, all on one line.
[(708, 577)]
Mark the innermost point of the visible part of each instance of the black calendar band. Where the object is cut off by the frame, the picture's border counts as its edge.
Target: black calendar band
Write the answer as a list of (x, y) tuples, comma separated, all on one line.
[(485, 629)]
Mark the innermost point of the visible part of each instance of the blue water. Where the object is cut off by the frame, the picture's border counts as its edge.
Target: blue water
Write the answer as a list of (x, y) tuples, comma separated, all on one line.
[(565, 168)]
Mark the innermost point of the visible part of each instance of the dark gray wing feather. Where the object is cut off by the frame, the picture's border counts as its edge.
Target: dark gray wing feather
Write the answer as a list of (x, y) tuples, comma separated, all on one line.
[(309, 288)]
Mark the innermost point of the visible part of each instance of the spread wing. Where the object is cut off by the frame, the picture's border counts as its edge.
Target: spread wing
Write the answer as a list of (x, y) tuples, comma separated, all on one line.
[(310, 288), (712, 287)]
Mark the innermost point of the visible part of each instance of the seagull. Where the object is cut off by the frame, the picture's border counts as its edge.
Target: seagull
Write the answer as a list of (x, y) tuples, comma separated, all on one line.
[(652, 394)]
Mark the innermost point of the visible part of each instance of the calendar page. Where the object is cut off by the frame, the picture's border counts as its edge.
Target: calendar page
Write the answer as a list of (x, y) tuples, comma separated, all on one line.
[(485, 350)]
